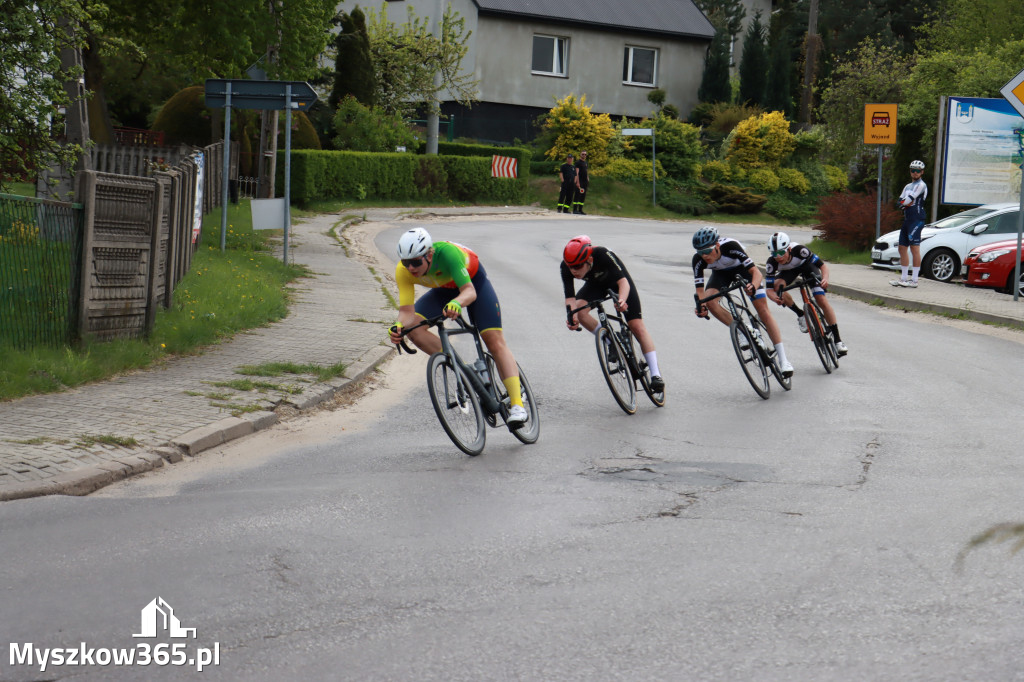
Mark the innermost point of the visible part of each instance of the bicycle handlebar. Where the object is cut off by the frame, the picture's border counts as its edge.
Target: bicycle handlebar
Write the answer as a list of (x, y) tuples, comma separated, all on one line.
[(432, 322)]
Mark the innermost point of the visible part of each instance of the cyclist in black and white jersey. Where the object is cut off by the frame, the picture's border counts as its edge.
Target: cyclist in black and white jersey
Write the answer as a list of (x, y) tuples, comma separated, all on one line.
[(727, 258), (786, 262)]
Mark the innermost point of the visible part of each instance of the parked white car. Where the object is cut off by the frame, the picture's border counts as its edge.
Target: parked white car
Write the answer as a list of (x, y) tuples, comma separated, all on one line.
[(946, 243)]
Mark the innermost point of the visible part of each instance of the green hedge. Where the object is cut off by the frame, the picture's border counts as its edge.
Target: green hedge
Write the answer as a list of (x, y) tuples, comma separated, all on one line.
[(523, 154), (318, 175)]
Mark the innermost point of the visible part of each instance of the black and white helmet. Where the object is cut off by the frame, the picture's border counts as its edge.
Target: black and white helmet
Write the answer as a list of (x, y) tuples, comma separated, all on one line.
[(414, 243), (917, 165), (778, 243)]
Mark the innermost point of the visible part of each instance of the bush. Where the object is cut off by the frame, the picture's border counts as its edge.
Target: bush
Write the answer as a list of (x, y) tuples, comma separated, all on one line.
[(678, 200), (575, 129), (732, 199), (678, 143), (364, 129), (628, 169), (523, 155), (837, 178), (715, 171), (786, 209), (763, 179), (762, 141), (791, 178), (849, 219), (546, 168)]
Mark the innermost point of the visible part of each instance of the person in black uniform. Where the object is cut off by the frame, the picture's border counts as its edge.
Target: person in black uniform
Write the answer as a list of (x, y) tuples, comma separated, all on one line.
[(602, 270), (567, 174), (582, 183)]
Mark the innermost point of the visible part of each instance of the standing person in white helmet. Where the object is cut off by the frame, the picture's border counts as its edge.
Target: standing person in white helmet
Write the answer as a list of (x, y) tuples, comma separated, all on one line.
[(456, 280), (912, 202)]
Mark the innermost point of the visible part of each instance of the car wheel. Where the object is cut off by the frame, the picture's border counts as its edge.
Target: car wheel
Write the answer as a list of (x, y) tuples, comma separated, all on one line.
[(1020, 285), (941, 264)]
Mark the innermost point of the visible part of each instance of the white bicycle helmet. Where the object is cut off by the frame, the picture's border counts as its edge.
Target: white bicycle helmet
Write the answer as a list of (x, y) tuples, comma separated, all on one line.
[(778, 242), (414, 243), (917, 165)]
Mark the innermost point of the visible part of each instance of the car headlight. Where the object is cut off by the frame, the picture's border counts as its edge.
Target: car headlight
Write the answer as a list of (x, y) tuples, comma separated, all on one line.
[(990, 256)]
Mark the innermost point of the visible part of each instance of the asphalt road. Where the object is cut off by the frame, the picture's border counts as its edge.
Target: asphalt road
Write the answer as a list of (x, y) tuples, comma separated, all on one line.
[(812, 536)]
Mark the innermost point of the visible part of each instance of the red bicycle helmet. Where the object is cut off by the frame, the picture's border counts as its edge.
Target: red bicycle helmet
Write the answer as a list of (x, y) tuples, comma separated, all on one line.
[(577, 251)]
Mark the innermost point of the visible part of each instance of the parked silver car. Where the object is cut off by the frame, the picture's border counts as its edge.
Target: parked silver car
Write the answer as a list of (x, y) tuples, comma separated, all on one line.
[(946, 243)]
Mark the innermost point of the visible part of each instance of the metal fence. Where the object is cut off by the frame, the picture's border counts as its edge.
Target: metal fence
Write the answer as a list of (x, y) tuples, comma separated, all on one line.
[(40, 266), (102, 268)]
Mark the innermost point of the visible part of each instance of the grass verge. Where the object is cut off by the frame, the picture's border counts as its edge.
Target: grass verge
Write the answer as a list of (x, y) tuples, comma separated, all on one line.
[(224, 292)]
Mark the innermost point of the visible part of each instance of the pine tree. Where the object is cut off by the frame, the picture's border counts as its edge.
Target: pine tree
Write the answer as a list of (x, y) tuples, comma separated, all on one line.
[(353, 67), (714, 84), (754, 67)]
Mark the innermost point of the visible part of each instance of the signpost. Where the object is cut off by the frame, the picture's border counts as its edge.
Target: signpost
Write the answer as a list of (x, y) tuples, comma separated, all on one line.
[(1014, 94), (648, 132), (879, 129), (247, 94)]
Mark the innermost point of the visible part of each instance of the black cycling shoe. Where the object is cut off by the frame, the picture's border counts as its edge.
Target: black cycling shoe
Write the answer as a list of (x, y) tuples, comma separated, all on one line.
[(657, 384)]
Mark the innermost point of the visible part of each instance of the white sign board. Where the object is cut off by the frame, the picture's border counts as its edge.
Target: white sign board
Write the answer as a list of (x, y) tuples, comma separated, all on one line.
[(636, 131), (984, 143), (268, 214)]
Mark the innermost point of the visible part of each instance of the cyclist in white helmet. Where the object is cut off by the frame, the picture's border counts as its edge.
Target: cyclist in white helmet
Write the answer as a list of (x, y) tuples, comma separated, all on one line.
[(787, 261), (726, 258), (456, 279)]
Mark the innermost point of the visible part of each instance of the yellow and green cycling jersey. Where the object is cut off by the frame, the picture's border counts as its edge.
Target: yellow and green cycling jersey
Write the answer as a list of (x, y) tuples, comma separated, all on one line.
[(453, 266)]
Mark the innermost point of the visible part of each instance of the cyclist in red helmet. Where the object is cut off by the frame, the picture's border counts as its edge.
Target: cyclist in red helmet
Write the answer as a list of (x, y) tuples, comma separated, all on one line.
[(601, 270)]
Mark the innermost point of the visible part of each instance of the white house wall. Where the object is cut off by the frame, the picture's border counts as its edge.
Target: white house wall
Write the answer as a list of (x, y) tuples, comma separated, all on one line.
[(594, 68)]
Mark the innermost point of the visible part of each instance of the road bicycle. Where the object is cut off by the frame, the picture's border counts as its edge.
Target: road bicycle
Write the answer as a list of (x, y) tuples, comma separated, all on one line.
[(818, 329), (621, 363), (468, 396), (749, 338)]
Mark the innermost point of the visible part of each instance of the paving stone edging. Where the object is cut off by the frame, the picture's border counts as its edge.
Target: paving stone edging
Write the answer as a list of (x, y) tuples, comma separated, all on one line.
[(85, 480)]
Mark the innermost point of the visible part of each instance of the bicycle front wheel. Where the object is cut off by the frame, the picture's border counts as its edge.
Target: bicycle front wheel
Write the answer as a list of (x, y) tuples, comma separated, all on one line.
[(616, 370), (456, 403), (750, 359), (829, 338), (772, 361), (817, 336)]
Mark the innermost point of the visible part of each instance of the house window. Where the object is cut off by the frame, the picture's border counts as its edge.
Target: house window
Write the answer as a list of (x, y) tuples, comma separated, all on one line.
[(549, 55), (639, 66)]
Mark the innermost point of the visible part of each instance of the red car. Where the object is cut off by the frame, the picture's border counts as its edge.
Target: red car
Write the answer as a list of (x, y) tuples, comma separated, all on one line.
[(992, 266)]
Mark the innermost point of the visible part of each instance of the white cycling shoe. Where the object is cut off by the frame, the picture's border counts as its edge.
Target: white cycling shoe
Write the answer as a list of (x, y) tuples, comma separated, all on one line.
[(801, 322), (786, 368), (517, 416)]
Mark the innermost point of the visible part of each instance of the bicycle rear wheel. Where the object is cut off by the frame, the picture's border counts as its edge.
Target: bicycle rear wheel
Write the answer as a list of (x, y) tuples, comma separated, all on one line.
[(530, 431), (817, 336), (615, 370), (456, 403), (772, 361), (644, 372), (750, 359)]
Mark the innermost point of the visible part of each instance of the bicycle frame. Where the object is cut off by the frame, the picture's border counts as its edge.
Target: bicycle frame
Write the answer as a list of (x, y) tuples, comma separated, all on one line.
[(603, 319), (488, 400)]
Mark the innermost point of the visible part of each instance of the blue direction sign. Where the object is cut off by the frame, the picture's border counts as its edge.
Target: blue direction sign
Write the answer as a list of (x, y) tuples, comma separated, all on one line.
[(247, 94)]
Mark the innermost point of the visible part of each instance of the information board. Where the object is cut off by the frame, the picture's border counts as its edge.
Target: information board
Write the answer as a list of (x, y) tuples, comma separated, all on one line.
[(984, 148)]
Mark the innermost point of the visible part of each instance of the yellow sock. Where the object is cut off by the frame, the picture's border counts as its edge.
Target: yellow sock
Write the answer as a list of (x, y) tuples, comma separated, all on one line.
[(514, 393)]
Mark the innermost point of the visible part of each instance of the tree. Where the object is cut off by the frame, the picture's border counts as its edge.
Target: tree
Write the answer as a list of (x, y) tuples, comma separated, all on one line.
[(754, 67), (574, 129), (875, 72), (779, 81), (406, 57), (370, 129), (965, 25), (32, 84), (714, 84), (725, 15), (353, 66)]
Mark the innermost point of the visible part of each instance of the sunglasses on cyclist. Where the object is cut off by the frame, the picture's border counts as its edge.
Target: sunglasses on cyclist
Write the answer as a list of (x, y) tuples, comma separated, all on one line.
[(704, 252), (412, 262), (780, 252)]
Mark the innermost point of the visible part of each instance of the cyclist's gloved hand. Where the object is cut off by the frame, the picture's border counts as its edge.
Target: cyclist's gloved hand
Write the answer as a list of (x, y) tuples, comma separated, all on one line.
[(395, 332), (453, 309)]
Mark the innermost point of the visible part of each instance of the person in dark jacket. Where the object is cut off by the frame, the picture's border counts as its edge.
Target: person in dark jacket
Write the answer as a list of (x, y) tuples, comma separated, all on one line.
[(567, 174), (582, 183)]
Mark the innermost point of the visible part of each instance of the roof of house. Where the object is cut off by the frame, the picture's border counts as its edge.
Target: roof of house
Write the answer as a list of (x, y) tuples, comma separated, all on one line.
[(673, 17)]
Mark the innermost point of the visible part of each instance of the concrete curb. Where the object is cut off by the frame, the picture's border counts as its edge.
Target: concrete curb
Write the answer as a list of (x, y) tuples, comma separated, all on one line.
[(89, 479), (922, 306)]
